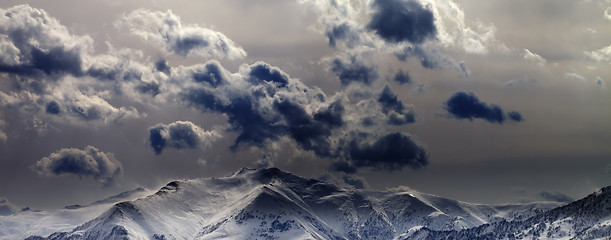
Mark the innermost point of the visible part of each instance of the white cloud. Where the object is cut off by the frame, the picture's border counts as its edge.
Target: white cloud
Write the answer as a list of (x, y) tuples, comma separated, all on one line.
[(533, 57), (574, 76), (166, 28), (455, 31), (24, 29), (600, 55), (608, 13)]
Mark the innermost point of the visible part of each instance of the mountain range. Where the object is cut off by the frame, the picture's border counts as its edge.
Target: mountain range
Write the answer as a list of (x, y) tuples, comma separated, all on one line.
[(273, 204)]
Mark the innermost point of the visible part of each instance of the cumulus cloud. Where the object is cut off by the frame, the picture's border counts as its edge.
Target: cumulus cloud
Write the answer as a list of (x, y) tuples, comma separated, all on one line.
[(347, 33), (555, 196), (454, 31), (36, 44), (264, 105), (600, 55), (87, 162), (180, 135), (338, 23), (397, 112), (261, 103), (94, 107), (402, 20), (533, 57), (607, 13), (467, 106), (405, 28), (352, 68), (166, 28), (402, 77), (49, 70)]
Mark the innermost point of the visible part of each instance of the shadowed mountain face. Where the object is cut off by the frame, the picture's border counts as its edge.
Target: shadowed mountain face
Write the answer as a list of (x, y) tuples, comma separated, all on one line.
[(587, 218), (272, 204)]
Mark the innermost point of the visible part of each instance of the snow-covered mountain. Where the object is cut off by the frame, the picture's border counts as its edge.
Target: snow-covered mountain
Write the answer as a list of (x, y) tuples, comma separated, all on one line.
[(272, 204), (30, 222), (587, 218)]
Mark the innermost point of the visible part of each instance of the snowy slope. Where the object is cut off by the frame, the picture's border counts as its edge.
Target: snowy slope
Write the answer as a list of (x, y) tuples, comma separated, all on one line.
[(32, 222), (272, 204), (587, 218)]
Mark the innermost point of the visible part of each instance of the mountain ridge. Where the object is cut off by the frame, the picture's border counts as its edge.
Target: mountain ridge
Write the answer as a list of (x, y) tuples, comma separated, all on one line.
[(273, 204)]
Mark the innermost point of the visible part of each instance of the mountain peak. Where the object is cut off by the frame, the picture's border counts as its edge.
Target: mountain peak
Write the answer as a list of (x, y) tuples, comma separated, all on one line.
[(268, 175)]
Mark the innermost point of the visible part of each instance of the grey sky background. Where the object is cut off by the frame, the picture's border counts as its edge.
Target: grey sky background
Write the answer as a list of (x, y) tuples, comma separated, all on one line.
[(507, 101)]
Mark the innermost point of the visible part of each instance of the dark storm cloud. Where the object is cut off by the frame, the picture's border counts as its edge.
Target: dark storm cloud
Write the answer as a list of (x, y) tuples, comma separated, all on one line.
[(103, 73), (402, 20), (265, 72), (88, 162), (555, 196), (467, 106), (244, 118), (53, 108), (311, 132), (56, 60), (167, 29), (402, 78), (343, 32), (152, 88), (180, 135), (332, 115), (263, 105), (390, 152), (515, 116), (339, 32), (211, 74), (398, 114), (162, 66), (353, 69)]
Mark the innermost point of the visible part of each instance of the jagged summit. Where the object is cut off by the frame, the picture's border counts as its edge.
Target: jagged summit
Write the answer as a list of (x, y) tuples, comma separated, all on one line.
[(273, 204), (266, 175)]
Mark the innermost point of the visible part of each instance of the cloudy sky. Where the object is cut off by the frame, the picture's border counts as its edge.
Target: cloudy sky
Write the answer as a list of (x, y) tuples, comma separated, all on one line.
[(490, 102)]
